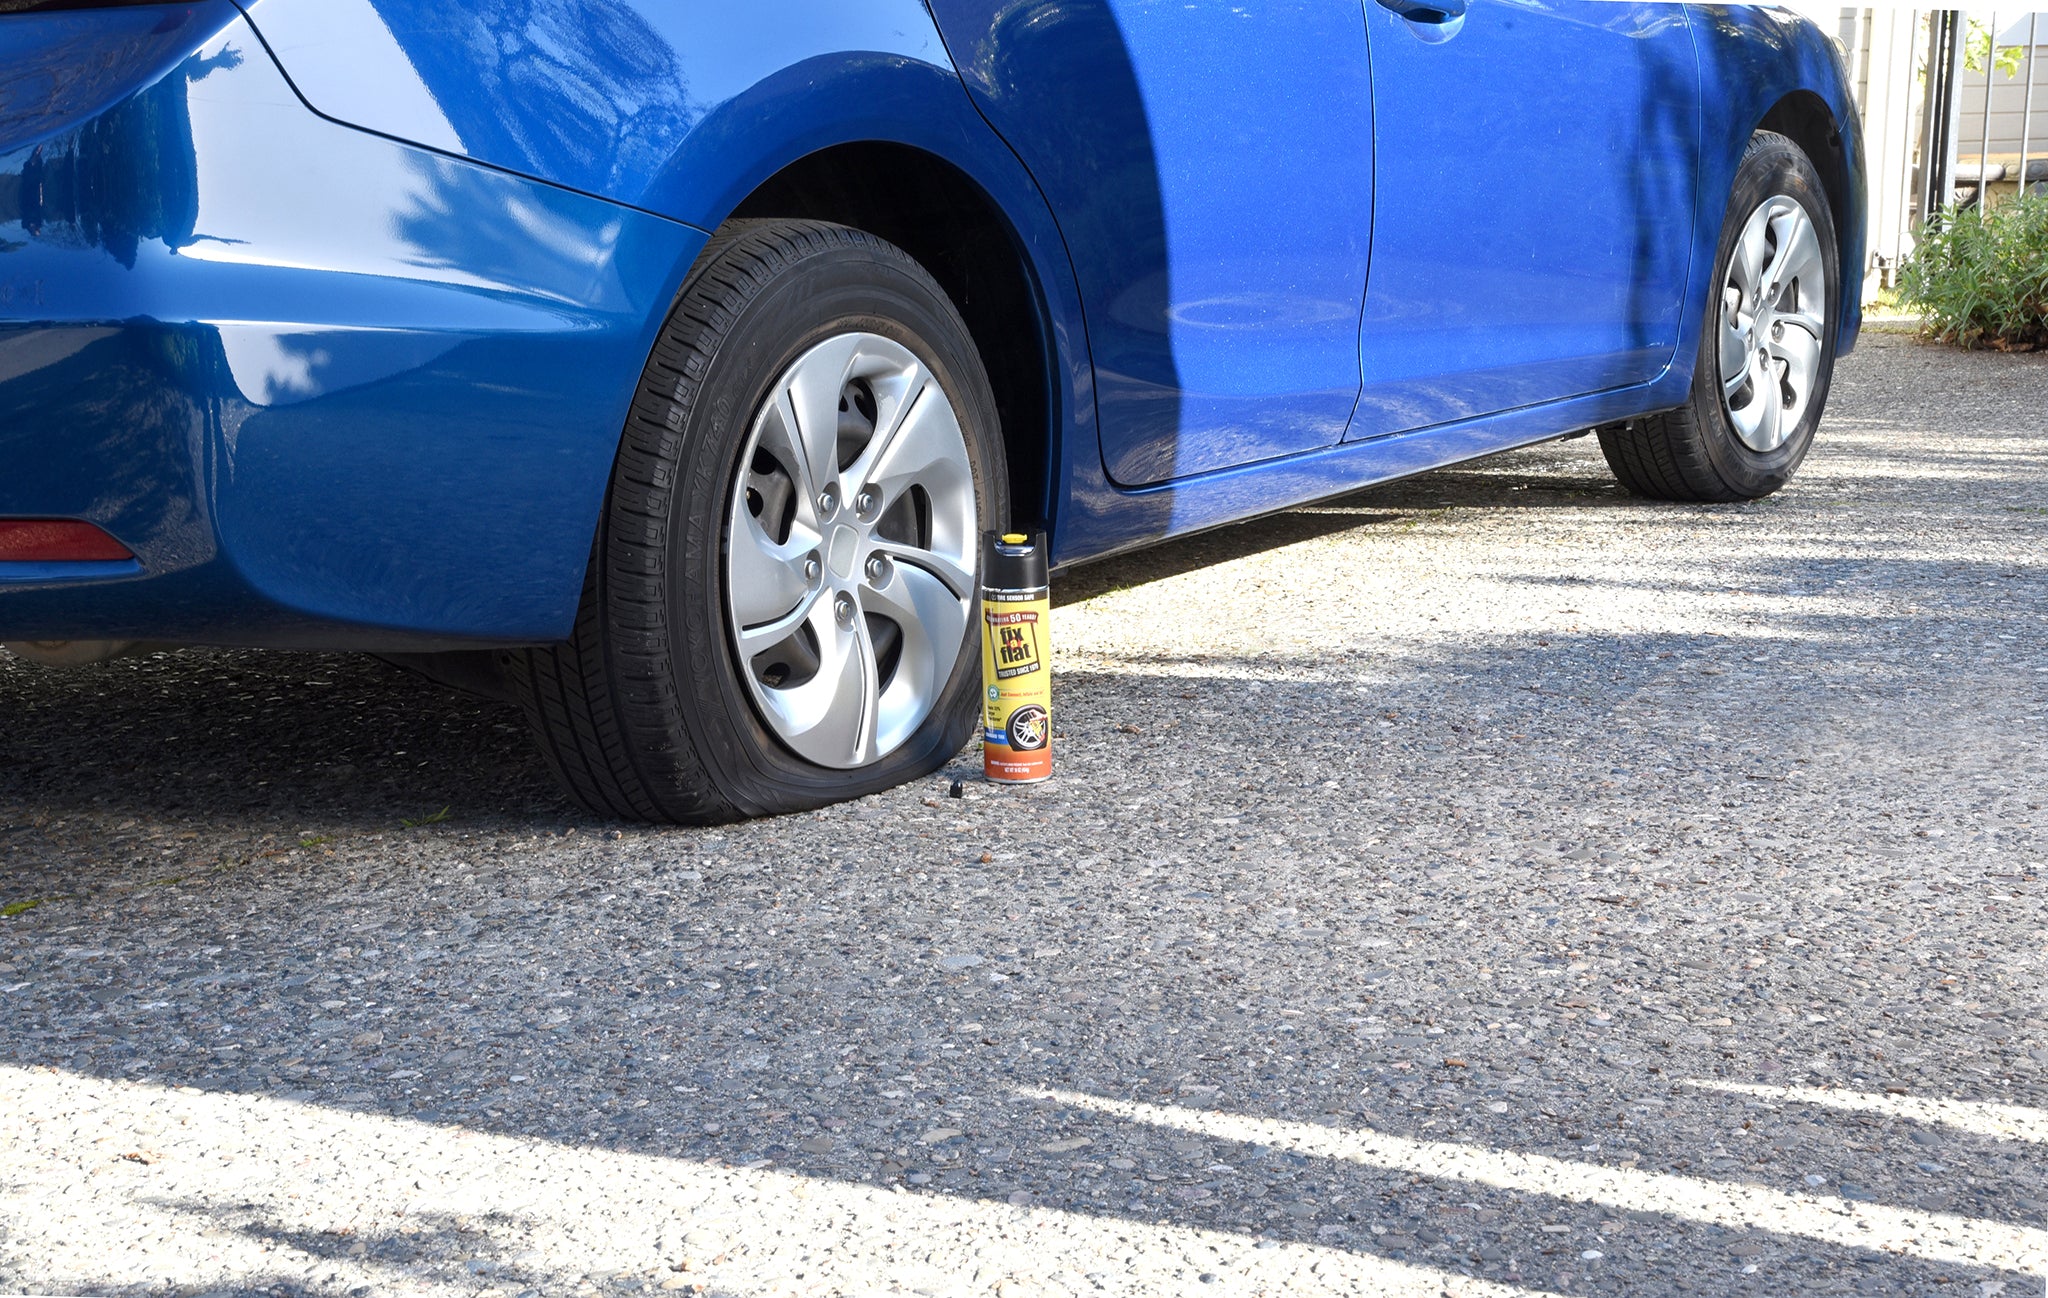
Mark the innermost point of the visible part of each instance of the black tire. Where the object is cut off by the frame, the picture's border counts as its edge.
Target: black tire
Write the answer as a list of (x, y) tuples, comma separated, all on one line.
[(642, 713), (1693, 453)]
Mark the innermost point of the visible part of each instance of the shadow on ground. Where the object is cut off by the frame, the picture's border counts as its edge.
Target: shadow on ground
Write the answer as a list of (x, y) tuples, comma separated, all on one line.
[(1503, 916)]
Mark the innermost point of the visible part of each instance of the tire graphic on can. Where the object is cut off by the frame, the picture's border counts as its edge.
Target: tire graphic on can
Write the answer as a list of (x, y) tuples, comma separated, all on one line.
[(1028, 728)]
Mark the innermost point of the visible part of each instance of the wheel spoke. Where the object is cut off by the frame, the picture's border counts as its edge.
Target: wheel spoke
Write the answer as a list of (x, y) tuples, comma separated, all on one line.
[(1806, 321), (776, 433), (829, 714), (759, 637), (1732, 383), (767, 579), (1734, 350), (1770, 401), (813, 391), (924, 448), (1801, 353), (1749, 417), (870, 692), (933, 621), (921, 604), (898, 398), (1746, 268), (957, 574), (1798, 254)]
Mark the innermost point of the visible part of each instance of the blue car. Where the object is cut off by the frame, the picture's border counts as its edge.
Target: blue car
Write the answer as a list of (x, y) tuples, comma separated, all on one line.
[(660, 364)]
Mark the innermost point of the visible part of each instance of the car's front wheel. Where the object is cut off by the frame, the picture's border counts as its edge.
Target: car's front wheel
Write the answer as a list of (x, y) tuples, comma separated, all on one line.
[(780, 607), (1767, 351)]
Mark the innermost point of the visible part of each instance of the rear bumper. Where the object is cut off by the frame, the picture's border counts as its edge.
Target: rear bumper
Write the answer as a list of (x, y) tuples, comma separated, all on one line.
[(330, 389)]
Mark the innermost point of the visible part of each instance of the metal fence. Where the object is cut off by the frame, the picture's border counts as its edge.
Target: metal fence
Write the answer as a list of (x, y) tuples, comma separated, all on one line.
[(1955, 111)]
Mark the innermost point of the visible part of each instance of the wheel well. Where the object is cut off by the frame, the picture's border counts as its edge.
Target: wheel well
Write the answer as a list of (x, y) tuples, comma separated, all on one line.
[(1804, 118), (934, 212)]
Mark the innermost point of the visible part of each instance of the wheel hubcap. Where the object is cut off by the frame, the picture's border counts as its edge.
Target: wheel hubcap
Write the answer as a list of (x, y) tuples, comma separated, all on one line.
[(850, 550), (1773, 309)]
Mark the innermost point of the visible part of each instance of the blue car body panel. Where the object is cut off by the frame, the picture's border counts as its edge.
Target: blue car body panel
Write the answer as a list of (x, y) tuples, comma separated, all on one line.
[(1211, 166), (332, 311), (311, 377), (679, 109), (1750, 61), (1577, 122)]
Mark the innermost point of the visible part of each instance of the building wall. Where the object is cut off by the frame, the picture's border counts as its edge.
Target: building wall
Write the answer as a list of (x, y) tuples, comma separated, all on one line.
[(2008, 98)]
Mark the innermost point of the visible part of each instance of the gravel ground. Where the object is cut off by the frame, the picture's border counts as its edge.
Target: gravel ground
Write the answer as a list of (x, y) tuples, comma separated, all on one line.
[(1485, 885)]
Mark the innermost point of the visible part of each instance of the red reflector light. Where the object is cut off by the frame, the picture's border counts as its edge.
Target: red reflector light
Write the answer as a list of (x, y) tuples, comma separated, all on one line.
[(56, 540)]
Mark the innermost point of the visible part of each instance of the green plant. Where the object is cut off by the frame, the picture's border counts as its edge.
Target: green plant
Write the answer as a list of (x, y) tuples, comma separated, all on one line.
[(1977, 49), (1981, 278)]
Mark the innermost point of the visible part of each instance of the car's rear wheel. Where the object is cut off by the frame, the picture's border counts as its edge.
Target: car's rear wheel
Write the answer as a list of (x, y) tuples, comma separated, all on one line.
[(1767, 351), (779, 611)]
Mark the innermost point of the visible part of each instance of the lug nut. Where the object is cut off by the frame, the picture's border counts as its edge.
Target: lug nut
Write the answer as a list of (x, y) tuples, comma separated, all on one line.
[(864, 504), (878, 568), (812, 568), (828, 503), (842, 608)]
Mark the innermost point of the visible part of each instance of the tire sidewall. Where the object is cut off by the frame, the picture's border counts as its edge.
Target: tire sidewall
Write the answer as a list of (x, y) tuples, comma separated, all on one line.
[(1773, 166), (842, 288)]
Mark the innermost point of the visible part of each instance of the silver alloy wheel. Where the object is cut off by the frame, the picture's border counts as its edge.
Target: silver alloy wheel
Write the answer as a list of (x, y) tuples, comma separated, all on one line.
[(850, 550), (1773, 309)]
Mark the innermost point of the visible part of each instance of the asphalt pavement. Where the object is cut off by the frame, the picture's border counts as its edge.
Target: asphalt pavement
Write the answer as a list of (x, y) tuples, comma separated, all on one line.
[(1487, 884)]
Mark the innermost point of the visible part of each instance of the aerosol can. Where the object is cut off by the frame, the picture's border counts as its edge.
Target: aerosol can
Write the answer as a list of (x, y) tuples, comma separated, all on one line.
[(1016, 659)]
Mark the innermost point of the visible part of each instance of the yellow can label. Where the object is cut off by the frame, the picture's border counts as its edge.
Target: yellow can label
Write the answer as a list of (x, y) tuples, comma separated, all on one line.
[(1016, 673)]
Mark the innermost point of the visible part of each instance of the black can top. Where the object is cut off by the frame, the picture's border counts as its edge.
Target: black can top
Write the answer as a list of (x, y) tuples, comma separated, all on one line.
[(1013, 561)]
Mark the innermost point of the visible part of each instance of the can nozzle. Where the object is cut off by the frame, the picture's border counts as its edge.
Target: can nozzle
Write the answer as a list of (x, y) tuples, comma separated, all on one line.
[(1013, 561)]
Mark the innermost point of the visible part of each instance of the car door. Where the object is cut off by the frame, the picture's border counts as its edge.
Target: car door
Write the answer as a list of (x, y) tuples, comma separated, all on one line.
[(1534, 182), (1210, 166)]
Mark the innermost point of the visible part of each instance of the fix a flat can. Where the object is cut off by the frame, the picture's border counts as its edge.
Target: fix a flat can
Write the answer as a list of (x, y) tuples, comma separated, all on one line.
[(1016, 659)]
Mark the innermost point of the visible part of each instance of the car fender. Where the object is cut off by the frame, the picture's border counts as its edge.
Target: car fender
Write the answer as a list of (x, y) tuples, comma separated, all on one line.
[(1752, 60)]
